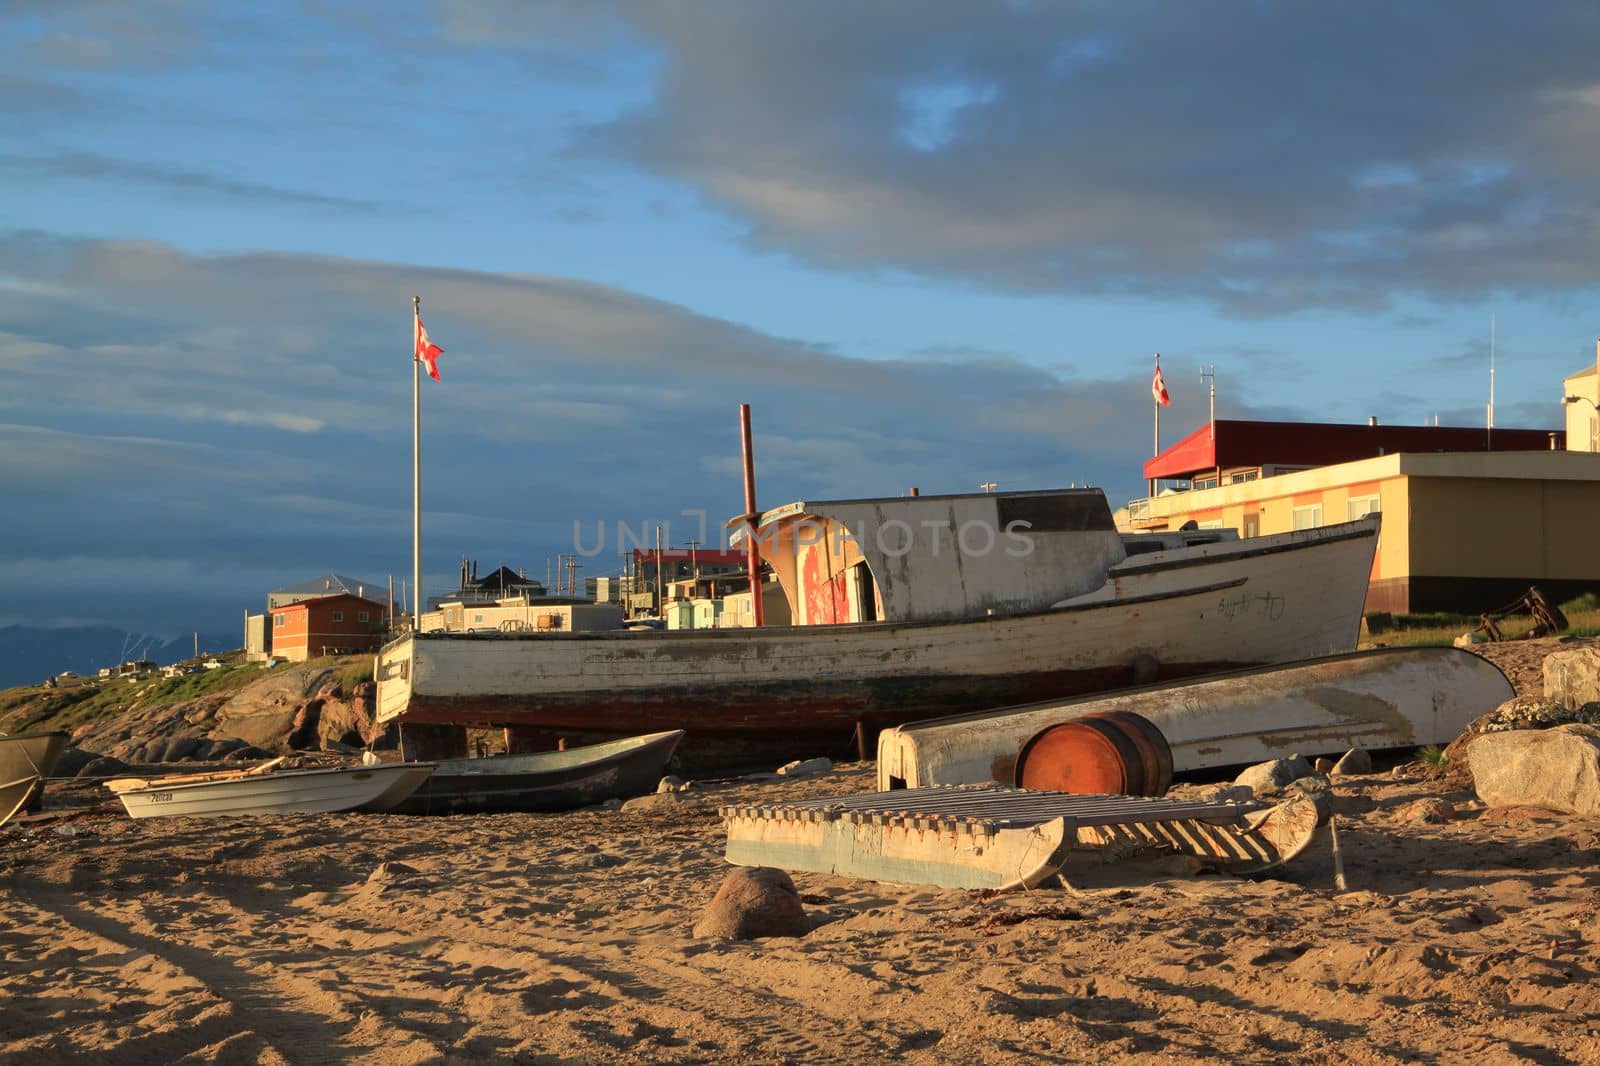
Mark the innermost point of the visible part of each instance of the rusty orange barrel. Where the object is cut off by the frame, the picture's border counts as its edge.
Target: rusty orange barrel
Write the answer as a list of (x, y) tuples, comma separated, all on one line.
[(1154, 751), (1085, 755)]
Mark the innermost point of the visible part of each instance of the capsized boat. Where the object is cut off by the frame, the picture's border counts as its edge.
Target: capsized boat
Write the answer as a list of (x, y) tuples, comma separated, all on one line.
[(1389, 698), (902, 609), (545, 781), (243, 793), (26, 759)]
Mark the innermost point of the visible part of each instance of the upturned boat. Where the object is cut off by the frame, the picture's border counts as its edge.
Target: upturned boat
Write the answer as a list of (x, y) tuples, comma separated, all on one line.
[(902, 609), (243, 793), (545, 781), (1387, 698), (26, 759)]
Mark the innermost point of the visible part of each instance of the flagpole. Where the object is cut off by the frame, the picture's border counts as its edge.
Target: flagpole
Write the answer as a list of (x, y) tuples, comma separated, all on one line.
[(1156, 405), (416, 466)]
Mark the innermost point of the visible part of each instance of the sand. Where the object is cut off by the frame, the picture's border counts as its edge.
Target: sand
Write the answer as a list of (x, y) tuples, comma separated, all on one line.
[(546, 938)]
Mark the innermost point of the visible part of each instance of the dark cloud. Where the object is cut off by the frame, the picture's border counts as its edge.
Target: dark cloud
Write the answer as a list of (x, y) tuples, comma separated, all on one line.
[(208, 426), (1263, 158)]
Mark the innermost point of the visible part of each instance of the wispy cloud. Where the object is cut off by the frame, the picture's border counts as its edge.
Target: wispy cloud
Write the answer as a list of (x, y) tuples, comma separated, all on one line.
[(73, 165)]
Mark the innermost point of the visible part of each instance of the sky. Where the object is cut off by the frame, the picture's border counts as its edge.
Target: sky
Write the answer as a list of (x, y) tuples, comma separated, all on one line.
[(931, 244)]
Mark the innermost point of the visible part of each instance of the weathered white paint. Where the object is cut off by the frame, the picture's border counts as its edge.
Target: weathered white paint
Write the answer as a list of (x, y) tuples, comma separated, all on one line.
[(1299, 602), (298, 791), (1374, 700)]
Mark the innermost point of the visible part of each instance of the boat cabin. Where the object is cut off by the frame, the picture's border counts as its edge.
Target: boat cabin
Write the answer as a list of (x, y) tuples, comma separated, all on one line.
[(932, 558)]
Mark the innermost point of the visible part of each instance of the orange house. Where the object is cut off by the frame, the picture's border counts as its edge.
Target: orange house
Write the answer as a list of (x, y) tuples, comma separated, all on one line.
[(327, 625)]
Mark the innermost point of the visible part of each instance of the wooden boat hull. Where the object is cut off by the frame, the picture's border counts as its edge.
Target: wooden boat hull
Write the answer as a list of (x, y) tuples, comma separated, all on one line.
[(804, 689), (289, 792), (25, 761), (548, 781), (1392, 698)]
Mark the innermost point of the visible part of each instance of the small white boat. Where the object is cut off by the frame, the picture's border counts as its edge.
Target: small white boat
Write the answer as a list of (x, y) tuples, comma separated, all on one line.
[(242, 794), (26, 759)]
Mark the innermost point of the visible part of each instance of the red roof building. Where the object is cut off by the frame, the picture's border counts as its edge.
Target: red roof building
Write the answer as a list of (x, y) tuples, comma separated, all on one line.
[(1239, 450)]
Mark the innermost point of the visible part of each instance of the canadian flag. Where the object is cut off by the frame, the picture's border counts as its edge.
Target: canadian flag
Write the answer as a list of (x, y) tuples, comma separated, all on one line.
[(1158, 388), (427, 351)]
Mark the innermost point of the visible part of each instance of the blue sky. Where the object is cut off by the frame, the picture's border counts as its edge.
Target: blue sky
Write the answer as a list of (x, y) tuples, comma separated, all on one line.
[(931, 244)]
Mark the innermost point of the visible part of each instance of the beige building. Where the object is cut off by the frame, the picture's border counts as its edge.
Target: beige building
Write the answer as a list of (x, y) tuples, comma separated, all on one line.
[(1582, 399), (1461, 531)]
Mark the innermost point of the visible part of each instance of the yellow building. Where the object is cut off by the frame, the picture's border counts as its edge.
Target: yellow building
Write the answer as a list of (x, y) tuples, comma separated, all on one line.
[(1471, 517)]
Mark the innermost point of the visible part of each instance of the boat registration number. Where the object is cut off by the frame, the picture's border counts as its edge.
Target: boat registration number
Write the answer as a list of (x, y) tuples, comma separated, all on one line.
[(160, 797)]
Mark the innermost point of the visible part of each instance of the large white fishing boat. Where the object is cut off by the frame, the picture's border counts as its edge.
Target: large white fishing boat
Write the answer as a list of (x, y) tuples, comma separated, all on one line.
[(903, 609)]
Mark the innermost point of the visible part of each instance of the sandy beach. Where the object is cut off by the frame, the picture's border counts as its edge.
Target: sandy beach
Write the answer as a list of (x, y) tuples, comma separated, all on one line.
[(546, 938)]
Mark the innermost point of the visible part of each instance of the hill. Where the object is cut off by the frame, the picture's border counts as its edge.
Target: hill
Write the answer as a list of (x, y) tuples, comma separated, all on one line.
[(29, 654)]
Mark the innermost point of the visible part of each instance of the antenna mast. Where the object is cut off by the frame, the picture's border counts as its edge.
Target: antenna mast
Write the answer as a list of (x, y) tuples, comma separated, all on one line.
[(1489, 431)]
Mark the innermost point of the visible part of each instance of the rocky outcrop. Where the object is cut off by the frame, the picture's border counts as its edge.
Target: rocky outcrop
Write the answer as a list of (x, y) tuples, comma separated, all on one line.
[(1572, 678), (754, 902), (1558, 769), (1268, 778)]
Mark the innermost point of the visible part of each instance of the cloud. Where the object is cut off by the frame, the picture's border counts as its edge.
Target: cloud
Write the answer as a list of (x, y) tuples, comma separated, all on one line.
[(1263, 159), (241, 415), (91, 166)]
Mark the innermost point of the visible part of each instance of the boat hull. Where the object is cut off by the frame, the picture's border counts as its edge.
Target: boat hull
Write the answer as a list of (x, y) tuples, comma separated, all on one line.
[(291, 792), (805, 689), (25, 761), (1375, 700), (552, 781)]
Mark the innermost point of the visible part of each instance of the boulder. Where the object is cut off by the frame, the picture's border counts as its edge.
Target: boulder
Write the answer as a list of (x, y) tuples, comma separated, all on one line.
[(806, 767), (104, 766), (754, 902), (1354, 761), (1557, 768), (72, 761), (1572, 678), (1429, 810), (1266, 778)]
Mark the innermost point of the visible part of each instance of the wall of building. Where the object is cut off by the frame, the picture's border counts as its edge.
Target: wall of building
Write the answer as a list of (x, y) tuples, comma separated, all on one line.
[(1583, 418), (520, 617), (308, 629), (1461, 532)]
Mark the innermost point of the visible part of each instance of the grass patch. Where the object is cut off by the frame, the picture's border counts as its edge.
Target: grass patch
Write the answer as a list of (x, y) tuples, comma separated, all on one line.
[(35, 707), (1441, 629)]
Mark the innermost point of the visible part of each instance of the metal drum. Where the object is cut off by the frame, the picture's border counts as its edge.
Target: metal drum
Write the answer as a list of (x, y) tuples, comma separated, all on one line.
[(1111, 753)]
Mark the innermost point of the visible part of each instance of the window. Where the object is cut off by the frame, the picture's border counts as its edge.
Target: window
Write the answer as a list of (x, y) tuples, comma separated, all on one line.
[(1361, 506), (1205, 483), (363, 616), (477, 618), (1241, 476), (279, 620), (1307, 517), (338, 616)]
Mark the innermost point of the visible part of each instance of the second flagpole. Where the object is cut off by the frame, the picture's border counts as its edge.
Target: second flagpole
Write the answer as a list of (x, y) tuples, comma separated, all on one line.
[(416, 466)]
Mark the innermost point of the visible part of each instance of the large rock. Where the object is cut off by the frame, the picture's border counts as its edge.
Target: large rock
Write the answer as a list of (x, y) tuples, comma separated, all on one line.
[(754, 902), (1267, 778), (1558, 768), (1572, 678), (1353, 762)]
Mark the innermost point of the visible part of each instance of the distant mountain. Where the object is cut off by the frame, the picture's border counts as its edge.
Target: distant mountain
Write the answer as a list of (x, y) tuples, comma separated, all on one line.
[(29, 654)]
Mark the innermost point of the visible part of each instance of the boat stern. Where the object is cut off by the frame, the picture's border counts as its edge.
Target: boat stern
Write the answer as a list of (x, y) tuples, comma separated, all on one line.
[(394, 669)]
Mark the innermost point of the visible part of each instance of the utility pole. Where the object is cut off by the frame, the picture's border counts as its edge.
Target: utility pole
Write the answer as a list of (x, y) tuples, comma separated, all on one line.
[(694, 567), (660, 601), (572, 575)]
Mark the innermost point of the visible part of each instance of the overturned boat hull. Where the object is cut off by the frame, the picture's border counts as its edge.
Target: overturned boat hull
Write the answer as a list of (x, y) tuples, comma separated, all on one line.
[(25, 761), (744, 693), (1391, 698)]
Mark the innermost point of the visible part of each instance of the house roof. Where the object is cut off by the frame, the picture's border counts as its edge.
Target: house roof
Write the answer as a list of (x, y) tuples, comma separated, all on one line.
[(505, 578), (332, 585), (1242, 443), (323, 601)]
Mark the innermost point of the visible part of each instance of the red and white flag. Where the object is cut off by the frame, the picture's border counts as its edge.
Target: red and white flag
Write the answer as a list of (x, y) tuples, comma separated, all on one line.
[(427, 351), (1158, 388)]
